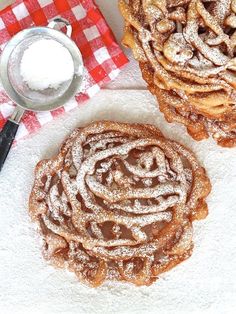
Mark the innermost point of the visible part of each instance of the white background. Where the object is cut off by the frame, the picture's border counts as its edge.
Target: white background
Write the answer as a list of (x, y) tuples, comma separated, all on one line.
[(206, 283)]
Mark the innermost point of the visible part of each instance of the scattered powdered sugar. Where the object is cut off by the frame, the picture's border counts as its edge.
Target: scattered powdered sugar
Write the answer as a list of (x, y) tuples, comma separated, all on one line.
[(204, 283)]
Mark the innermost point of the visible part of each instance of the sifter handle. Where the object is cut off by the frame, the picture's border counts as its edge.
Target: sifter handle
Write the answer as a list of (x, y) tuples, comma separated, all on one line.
[(8, 133), (60, 20), (7, 136)]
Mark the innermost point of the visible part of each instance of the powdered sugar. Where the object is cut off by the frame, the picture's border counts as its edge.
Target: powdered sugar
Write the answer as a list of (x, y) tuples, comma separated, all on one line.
[(205, 283), (53, 67), (29, 284)]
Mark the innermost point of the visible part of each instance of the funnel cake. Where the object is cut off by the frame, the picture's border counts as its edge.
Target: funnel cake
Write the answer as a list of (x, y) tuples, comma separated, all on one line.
[(186, 51), (117, 203)]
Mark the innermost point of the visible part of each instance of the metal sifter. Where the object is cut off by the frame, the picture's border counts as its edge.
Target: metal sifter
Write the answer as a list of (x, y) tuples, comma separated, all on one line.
[(18, 90)]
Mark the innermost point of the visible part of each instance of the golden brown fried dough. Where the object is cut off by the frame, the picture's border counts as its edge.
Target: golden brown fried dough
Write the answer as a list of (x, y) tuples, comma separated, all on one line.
[(186, 51), (117, 203)]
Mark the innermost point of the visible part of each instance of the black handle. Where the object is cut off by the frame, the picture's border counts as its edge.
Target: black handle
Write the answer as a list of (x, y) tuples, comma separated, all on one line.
[(7, 136)]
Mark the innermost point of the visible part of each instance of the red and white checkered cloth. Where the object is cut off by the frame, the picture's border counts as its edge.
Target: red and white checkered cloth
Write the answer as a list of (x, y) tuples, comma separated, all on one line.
[(102, 56)]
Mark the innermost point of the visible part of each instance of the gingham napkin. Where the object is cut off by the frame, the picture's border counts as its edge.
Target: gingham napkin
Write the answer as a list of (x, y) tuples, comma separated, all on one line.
[(102, 56)]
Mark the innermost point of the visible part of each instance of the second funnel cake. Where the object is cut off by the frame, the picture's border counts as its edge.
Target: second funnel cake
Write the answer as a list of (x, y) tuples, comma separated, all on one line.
[(117, 203), (186, 51)]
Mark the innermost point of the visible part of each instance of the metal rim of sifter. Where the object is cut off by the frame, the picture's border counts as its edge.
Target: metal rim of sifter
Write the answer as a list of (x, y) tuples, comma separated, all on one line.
[(62, 38), (8, 133)]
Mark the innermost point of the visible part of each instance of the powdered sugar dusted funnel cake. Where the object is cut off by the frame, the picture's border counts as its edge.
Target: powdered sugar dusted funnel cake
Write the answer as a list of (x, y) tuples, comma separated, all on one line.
[(41, 68), (118, 202), (186, 51)]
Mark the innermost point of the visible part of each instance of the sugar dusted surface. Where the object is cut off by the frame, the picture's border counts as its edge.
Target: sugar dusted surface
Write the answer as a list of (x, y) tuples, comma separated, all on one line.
[(209, 274), (203, 284)]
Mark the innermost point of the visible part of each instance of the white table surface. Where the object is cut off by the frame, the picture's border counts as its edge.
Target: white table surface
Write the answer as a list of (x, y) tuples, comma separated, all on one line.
[(206, 283)]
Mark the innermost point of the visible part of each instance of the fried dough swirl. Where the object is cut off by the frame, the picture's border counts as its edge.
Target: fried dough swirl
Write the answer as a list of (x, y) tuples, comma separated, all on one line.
[(186, 51), (117, 203)]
